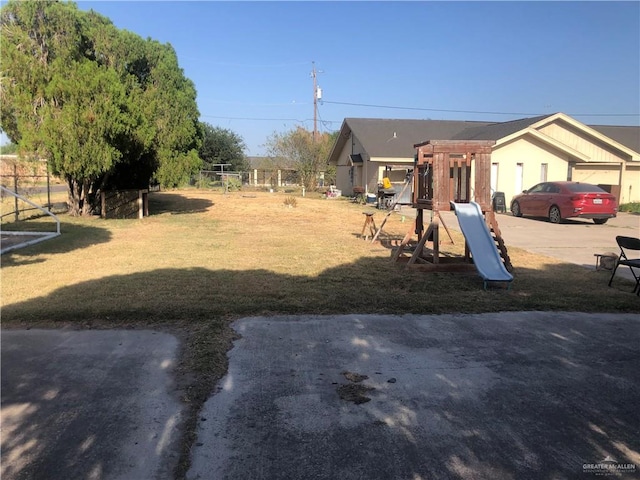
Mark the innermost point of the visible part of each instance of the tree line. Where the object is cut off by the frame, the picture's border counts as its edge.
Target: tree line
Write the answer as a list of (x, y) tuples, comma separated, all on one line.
[(111, 110), (107, 108)]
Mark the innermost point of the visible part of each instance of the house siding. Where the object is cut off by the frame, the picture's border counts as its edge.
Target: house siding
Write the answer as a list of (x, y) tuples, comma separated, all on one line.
[(630, 186), (597, 174), (596, 150), (343, 165), (371, 174), (342, 173), (531, 153), (622, 170)]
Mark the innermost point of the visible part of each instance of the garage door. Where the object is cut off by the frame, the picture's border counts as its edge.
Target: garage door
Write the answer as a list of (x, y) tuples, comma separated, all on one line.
[(596, 174)]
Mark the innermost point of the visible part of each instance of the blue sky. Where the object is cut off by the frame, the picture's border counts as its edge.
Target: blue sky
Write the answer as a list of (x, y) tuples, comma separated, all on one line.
[(251, 61)]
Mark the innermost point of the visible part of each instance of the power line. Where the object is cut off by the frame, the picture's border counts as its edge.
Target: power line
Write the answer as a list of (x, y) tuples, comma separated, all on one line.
[(327, 124), (258, 119), (324, 122), (243, 65), (480, 112), (292, 103)]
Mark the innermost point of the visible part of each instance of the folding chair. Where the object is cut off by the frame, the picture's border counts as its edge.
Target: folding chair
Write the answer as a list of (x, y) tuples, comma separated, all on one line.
[(625, 244)]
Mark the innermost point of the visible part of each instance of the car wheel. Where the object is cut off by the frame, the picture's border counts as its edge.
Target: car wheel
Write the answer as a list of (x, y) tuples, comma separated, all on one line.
[(515, 209), (554, 214), (600, 221)]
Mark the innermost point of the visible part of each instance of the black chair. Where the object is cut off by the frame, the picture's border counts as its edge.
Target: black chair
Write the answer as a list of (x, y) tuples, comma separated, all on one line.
[(626, 244)]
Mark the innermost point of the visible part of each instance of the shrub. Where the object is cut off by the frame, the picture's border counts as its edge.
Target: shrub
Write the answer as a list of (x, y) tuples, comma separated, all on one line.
[(630, 207), (203, 182), (234, 184), (290, 201)]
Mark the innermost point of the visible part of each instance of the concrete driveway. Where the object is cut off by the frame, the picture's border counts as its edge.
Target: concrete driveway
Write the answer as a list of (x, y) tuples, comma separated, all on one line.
[(573, 241), (497, 396), (88, 405)]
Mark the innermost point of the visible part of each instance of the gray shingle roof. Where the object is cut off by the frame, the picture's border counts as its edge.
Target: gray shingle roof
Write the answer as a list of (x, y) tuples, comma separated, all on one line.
[(496, 131), (396, 138), (627, 136)]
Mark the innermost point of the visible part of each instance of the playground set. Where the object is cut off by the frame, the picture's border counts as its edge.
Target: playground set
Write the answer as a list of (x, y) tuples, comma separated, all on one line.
[(455, 175)]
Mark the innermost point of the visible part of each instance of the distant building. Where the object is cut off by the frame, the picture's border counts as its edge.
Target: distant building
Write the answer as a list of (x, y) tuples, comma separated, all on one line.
[(526, 152), (268, 172)]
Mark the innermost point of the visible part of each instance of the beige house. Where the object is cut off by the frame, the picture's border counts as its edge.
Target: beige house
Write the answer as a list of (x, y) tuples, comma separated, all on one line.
[(526, 152)]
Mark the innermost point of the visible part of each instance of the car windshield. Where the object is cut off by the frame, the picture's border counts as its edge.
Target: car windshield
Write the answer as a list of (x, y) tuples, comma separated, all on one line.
[(584, 187)]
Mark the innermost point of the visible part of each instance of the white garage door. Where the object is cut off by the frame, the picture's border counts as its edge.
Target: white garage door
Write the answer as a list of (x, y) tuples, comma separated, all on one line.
[(596, 174)]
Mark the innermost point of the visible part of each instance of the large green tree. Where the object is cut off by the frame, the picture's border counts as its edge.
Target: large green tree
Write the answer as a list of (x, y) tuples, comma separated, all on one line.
[(300, 150), (220, 145), (106, 107)]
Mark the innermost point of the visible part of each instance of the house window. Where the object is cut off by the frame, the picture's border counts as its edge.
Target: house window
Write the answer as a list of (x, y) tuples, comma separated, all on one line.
[(543, 171)]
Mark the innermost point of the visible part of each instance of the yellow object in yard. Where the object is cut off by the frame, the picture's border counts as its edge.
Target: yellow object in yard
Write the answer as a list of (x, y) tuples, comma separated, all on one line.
[(386, 183)]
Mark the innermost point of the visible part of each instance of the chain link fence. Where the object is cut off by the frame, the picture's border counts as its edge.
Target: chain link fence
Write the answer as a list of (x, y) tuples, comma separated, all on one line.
[(30, 179)]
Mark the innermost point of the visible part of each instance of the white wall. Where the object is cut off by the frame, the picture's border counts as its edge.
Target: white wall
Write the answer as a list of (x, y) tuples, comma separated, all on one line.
[(630, 188), (532, 154), (572, 137)]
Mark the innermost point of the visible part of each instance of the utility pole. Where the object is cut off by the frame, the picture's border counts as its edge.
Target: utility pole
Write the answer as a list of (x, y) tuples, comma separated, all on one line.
[(315, 101), (317, 94)]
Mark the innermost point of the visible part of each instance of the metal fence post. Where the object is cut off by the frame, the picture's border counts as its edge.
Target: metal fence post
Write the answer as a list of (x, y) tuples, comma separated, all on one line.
[(48, 189), (15, 189)]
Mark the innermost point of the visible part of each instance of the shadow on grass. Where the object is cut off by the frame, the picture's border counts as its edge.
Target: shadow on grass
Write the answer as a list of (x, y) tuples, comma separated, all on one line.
[(73, 237), (369, 285), (508, 435), (176, 204)]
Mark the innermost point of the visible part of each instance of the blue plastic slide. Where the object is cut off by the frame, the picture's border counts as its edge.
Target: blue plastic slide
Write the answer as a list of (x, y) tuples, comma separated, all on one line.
[(486, 256)]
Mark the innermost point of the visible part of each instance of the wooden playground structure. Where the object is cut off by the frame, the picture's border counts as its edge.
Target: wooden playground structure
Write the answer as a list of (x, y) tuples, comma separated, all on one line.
[(447, 171)]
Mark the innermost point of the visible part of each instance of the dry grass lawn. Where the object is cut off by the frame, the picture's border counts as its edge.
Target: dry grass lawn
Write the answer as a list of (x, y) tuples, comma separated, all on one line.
[(203, 259)]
